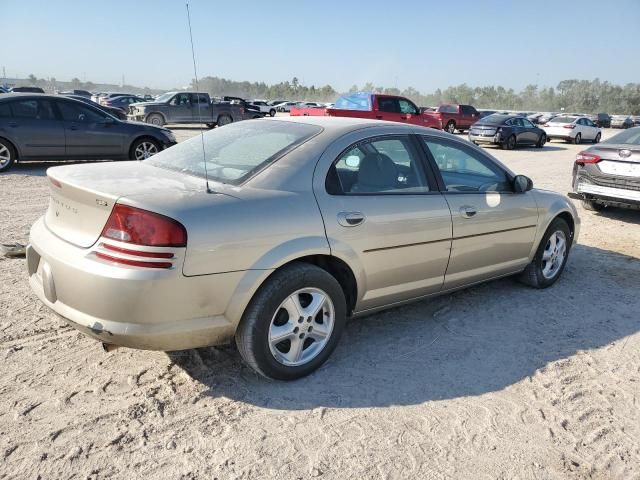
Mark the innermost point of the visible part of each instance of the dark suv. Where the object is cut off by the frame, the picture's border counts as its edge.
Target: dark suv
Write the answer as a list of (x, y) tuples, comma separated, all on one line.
[(34, 127), (603, 120)]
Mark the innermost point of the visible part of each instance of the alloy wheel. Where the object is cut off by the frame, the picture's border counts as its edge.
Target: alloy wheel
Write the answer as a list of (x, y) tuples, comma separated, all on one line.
[(301, 327), (554, 254), (5, 156), (145, 150)]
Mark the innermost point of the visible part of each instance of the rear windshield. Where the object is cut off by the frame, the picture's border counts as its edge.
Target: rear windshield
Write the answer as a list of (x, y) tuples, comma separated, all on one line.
[(494, 119), (235, 152), (630, 136), (355, 101), (564, 119)]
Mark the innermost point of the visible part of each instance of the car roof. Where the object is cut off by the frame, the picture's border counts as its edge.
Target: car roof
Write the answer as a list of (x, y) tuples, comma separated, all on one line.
[(343, 125)]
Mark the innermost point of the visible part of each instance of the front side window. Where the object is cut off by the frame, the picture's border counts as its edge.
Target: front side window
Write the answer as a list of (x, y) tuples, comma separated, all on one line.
[(79, 113), (465, 170), (387, 165), (181, 99), (527, 123), (407, 107)]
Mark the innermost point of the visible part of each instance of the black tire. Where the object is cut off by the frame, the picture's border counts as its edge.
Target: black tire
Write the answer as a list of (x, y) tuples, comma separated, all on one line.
[(144, 140), (510, 144), (541, 141), (211, 125), (252, 335), (592, 205), (577, 139), (597, 139), (450, 127), (7, 155), (224, 119), (272, 112), (155, 119), (532, 275)]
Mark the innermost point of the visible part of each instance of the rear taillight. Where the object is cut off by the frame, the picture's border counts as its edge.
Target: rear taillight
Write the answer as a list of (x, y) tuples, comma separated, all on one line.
[(571, 126), (584, 157), (141, 227)]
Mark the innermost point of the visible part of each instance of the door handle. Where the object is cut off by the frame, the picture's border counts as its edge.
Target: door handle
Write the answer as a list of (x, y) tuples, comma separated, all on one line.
[(467, 211), (73, 127), (13, 124), (350, 219)]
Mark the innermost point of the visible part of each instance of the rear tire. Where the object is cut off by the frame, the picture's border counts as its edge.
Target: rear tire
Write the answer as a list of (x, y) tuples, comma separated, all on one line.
[(272, 112), (7, 155), (211, 125), (510, 144), (540, 273), (592, 205), (578, 139), (155, 119), (224, 119), (269, 317)]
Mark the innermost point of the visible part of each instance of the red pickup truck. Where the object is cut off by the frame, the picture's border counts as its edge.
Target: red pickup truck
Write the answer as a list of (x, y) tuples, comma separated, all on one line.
[(457, 117), (376, 106)]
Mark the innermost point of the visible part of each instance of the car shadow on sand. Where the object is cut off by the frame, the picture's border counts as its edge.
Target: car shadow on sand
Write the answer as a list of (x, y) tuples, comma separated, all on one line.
[(478, 340), (626, 215)]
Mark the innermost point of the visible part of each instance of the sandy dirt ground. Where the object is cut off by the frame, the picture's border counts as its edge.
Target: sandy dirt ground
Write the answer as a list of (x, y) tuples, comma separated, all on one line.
[(497, 381)]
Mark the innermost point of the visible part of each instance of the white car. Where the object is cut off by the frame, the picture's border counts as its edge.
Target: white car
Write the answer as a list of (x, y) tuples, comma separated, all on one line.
[(573, 129), (264, 107), (286, 106)]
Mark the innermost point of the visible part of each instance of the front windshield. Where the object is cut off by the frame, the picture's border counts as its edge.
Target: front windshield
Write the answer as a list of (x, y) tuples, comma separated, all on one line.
[(165, 97), (237, 151), (355, 101), (629, 137)]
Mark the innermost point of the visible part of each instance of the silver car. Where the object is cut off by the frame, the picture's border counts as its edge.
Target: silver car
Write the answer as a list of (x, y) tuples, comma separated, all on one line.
[(288, 228)]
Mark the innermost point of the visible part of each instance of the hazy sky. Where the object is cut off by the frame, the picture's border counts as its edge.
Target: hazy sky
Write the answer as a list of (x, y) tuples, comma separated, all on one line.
[(420, 43)]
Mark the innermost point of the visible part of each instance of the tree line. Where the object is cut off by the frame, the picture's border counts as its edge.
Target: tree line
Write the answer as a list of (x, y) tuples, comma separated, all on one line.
[(584, 96)]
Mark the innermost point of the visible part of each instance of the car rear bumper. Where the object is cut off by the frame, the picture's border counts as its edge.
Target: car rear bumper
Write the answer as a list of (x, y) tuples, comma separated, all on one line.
[(146, 308), (591, 183), (619, 194), (494, 139)]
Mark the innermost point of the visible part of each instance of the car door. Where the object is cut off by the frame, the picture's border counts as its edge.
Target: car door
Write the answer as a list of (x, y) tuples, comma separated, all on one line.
[(35, 128), (181, 111), (493, 227), (529, 132), (201, 108), (468, 116), (384, 215), (591, 128), (389, 109), (89, 132)]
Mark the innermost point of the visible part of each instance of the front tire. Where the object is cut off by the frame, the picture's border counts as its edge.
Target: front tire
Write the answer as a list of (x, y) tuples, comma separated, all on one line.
[(450, 127), (592, 205), (272, 112), (144, 148), (578, 139), (597, 139), (293, 322), (7, 155), (156, 119), (550, 258), (541, 141)]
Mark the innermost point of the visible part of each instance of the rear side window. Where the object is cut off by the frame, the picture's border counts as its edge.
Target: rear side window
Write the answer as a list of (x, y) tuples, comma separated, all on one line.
[(389, 105), (464, 170), (382, 166), (33, 109), (5, 110)]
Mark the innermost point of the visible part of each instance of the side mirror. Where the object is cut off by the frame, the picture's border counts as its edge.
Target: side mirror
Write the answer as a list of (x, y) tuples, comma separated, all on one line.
[(522, 184)]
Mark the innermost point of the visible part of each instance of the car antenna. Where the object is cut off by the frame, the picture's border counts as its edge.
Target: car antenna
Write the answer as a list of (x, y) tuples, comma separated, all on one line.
[(195, 74)]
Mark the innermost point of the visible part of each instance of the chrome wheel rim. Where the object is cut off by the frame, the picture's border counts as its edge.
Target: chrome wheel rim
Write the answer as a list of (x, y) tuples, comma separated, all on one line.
[(554, 254), (598, 138), (451, 128), (301, 327), (5, 156), (156, 121), (145, 150), (578, 138)]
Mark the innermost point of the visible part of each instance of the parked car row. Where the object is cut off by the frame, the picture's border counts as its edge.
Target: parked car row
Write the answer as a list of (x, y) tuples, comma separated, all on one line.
[(38, 126)]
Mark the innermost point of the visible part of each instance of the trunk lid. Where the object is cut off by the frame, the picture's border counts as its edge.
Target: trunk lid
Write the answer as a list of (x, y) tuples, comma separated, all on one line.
[(82, 196), (621, 160)]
